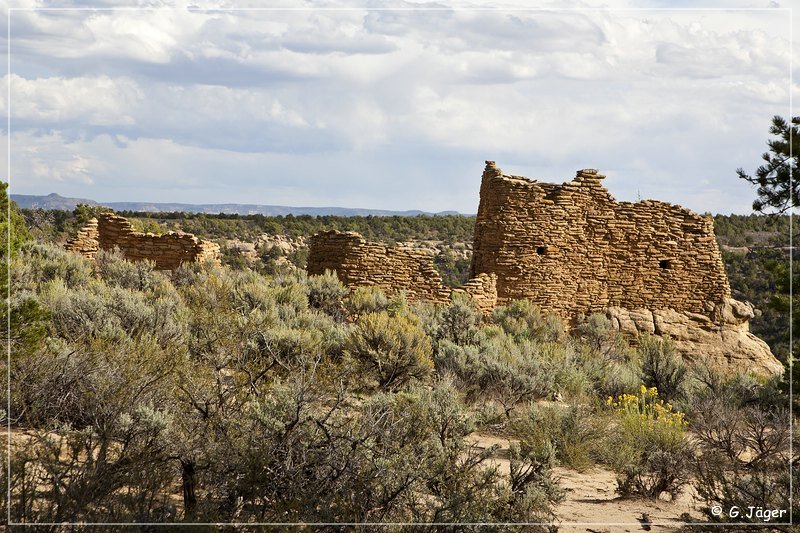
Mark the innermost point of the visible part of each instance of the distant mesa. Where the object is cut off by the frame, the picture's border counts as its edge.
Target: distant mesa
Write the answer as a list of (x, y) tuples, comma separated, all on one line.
[(574, 250), (54, 201)]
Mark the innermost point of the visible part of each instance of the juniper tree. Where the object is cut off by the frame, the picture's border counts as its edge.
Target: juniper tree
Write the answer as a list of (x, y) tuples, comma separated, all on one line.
[(777, 190)]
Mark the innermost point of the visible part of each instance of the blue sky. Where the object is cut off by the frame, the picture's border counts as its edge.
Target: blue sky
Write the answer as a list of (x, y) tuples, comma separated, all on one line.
[(392, 109)]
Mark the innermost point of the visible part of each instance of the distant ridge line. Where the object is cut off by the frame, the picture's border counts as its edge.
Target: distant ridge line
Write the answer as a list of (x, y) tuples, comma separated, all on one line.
[(58, 202)]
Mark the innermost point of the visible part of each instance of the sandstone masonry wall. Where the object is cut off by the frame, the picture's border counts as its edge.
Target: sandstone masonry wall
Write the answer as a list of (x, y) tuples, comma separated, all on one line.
[(573, 249), (359, 263), (167, 251)]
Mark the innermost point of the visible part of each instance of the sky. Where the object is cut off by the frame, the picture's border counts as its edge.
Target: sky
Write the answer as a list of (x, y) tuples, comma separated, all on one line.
[(391, 104)]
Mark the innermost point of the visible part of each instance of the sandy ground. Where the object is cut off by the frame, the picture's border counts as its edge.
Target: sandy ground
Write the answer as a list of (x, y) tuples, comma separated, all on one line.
[(592, 505)]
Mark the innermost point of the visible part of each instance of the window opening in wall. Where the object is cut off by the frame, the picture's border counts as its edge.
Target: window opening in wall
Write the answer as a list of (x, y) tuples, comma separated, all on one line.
[(664, 263)]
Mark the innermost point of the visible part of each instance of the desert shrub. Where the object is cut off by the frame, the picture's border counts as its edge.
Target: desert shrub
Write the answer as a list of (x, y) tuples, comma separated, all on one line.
[(94, 444), (523, 320), (83, 383), (391, 350), (464, 364), (186, 273), (618, 378), (399, 306), (134, 275), (291, 299), (121, 474), (662, 368), (648, 448), (38, 263), (98, 311), (427, 315), (515, 371), (499, 369), (283, 348), (597, 332), (571, 370), (744, 459), (295, 454), (535, 491), (569, 430), (457, 321), (365, 300), (327, 294)]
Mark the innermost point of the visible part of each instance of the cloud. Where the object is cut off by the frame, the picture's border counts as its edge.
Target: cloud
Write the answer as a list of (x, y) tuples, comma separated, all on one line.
[(97, 101), (369, 107)]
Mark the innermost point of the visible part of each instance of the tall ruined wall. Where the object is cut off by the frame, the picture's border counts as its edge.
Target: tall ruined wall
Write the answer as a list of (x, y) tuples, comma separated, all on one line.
[(167, 251), (573, 249), (359, 263)]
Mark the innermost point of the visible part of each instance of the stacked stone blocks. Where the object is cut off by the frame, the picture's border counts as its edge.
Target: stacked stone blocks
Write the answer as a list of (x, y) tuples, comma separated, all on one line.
[(359, 263), (167, 251), (572, 249)]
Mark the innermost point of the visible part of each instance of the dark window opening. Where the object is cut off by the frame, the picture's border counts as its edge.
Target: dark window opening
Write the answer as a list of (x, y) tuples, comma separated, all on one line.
[(664, 263), (540, 250)]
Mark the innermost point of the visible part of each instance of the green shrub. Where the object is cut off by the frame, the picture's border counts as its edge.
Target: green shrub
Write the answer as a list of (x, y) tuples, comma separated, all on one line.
[(457, 321), (648, 446), (391, 350), (661, 367), (499, 369), (618, 377), (98, 311), (569, 430), (135, 275), (597, 332), (364, 300), (327, 294), (531, 481), (38, 263), (398, 306), (524, 320)]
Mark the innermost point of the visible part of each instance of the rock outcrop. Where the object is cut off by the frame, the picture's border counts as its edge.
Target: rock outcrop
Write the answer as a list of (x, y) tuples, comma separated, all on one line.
[(726, 342), (167, 251), (359, 263)]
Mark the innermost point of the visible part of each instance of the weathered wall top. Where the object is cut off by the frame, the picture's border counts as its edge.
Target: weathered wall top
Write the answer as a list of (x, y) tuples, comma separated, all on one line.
[(573, 249), (168, 251)]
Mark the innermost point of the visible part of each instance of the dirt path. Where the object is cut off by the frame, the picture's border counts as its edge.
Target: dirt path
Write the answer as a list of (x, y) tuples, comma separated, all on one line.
[(591, 503)]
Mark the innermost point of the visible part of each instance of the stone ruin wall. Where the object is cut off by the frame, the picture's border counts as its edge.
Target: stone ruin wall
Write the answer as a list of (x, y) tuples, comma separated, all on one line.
[(573, 249), (359, 263), (167, 251), (650, 267)]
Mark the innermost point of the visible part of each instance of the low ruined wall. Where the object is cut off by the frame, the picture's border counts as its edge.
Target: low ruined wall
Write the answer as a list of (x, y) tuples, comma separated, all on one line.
[(359, 263), (167, 251), (87, 241), (572, 249)]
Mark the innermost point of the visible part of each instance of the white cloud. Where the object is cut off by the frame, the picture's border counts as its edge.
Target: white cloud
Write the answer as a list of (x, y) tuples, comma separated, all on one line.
[(95, 101), (402, 96)]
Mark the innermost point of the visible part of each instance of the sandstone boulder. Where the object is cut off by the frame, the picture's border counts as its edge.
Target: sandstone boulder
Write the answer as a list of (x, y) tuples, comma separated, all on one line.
[(731, 347)]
